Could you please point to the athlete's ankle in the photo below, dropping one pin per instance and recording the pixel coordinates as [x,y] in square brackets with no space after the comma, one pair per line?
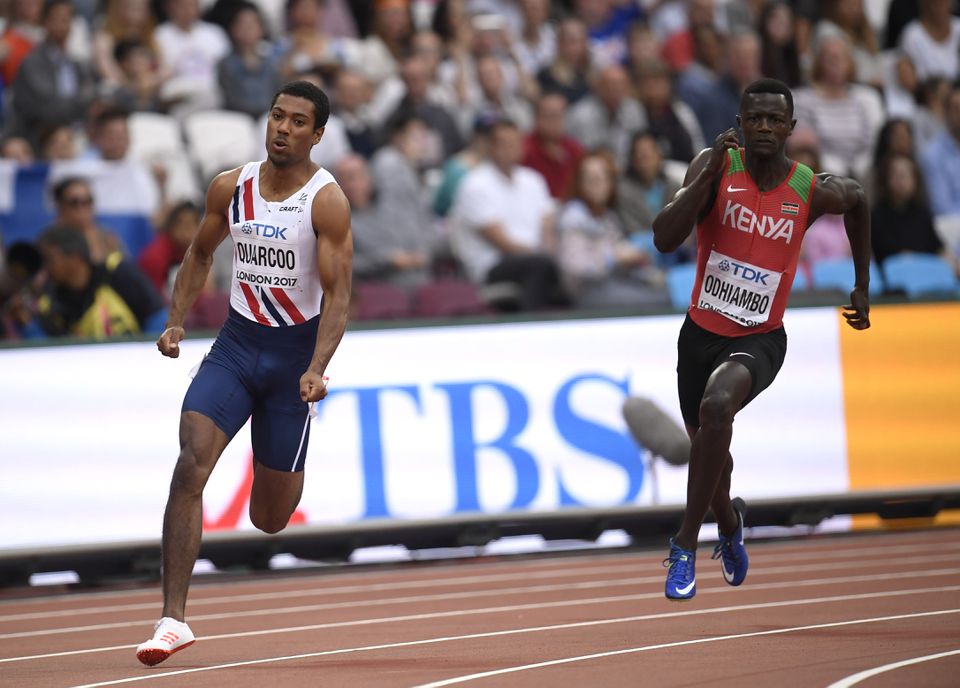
[688,544]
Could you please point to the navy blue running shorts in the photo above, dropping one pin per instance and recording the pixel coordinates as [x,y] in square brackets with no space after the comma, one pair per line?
[700,352]
[254,370]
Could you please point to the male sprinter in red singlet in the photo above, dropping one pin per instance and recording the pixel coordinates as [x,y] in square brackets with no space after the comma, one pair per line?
[290,224]
[751,206]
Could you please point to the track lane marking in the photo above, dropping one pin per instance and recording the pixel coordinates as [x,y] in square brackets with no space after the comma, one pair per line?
[466,594]
[527,607]
[663,646]
[854,679]
[854,554]
[802,550]
[554,627]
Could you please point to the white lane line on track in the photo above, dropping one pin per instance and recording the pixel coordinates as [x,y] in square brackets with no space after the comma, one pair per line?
[827,549]
[366,588]
[467,594]
[555,627]
[514,608]
[854,679]
[663,646]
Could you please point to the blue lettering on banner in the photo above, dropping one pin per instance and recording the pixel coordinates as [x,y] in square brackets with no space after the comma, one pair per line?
[371,443]
[588,436]
[598,440]
[465,444]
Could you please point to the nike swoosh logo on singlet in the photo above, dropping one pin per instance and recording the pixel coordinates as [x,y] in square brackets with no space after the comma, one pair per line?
[734,189]
[742,353]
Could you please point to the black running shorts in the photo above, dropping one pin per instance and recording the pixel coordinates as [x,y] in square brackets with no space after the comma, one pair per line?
[700,352]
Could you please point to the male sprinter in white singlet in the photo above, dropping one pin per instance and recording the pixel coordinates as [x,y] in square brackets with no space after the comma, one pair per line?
[290,223]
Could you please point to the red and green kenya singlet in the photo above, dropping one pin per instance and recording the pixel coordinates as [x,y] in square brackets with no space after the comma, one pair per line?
[747,251]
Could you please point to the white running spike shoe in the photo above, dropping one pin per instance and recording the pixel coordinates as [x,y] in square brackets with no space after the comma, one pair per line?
[169,636]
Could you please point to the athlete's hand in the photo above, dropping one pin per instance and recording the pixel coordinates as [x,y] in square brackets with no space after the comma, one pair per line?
[313,386]
[859,318]
[169,341]
[724,142]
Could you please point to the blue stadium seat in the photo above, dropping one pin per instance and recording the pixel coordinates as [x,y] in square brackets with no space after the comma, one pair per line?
[838,273]
[920,273]
[680,279]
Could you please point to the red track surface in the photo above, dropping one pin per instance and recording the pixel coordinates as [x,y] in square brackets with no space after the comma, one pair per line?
[812,612]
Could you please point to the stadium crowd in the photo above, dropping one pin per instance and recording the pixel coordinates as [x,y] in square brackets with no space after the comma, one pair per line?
[499,155]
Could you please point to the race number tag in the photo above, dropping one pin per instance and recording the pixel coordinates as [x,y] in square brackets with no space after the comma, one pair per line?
[738,290]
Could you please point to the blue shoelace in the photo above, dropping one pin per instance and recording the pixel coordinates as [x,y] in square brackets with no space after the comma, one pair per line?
[725,549]
[678,567]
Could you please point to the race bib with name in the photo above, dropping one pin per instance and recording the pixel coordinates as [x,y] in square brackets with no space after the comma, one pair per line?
[737,290]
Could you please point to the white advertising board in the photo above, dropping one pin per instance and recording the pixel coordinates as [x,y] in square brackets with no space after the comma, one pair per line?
[420,423]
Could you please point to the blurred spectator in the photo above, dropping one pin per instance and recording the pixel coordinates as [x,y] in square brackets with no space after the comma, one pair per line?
[901,222]
[396,178]
[899,14]
[110,143]
[670,120]
[426,47]
[141,79]
[165,253]
[900,87]
[601,268]
[383,250]
[717,106]
[19,287]
[642,48]
[58,143]
[109,135]
[677,48]
[695,83]
[51,88]
[191,49]
[894,137]
[457,167]
[780,56]
[607,22]
[567,72]
[495,98]
[548,150]
[940,160]
[451,22]
[933,41]
[847,19]
[250,74]
[378,55]
[742,15]
[123,22]
[335,144]
[536,43]
[826,238]
[608,117]
[643,191]
[845,116]
[73,199]
[18,149]
[87,299]
[306,45]
[351,93]
[929,119]
[485,36]
[443,131]
[22,32]
[503,222]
